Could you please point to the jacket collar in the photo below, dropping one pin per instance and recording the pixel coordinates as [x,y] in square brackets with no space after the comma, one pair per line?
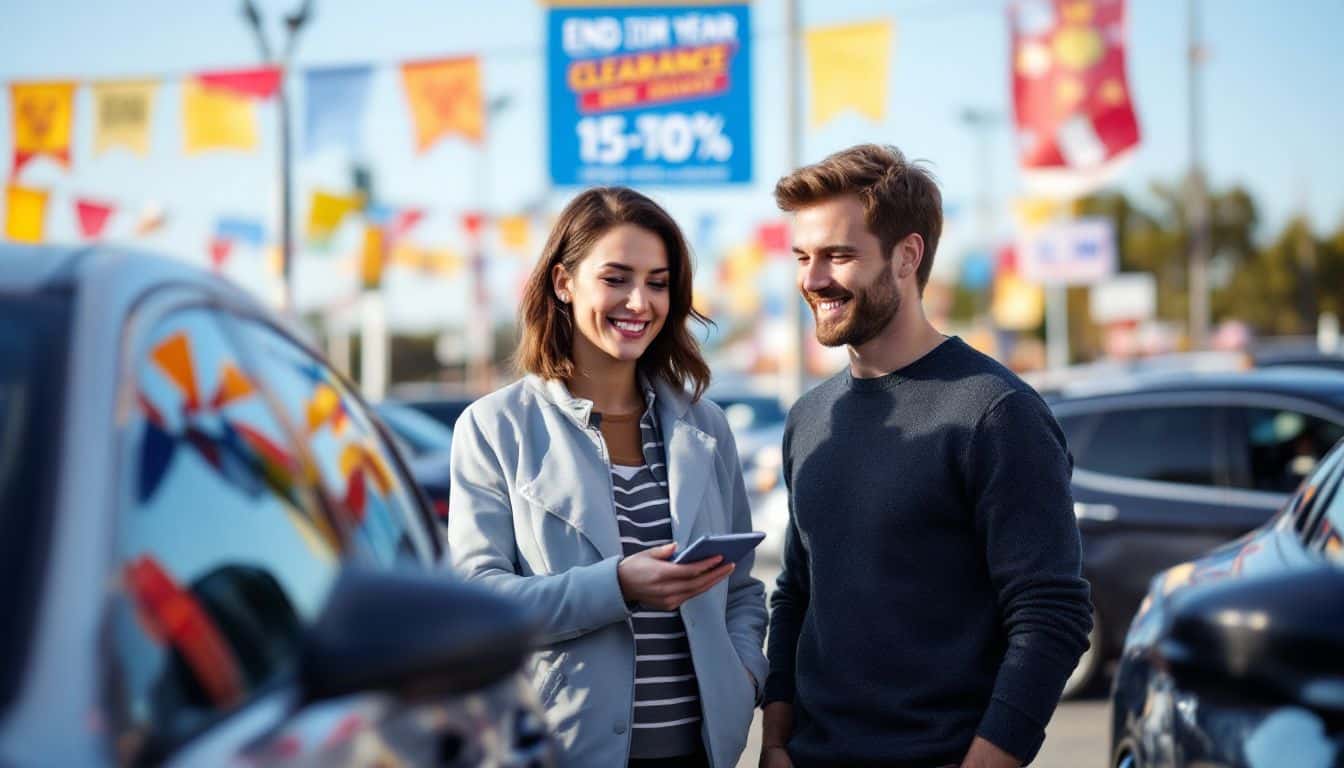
[671,403]
[689,456]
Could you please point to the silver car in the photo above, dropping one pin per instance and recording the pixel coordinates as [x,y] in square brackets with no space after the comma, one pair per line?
[212,553]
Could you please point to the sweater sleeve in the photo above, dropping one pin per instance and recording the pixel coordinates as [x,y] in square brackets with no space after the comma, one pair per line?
[1019,471]
[788,603]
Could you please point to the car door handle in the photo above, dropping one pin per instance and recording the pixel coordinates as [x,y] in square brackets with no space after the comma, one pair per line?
[1100,512]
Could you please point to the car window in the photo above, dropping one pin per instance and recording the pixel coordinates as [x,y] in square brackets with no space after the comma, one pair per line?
[354,464]
[33,346]
[222,556]
[1077,430]
[1284,446]
[1328,538]
[1177,444]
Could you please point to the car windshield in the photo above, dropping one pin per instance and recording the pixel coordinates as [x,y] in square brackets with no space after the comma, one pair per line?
[32,346]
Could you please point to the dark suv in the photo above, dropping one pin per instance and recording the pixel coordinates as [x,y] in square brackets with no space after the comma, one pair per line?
[1167,467]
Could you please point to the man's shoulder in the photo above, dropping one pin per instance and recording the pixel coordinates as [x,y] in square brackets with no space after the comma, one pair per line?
[820,396]
[979,381]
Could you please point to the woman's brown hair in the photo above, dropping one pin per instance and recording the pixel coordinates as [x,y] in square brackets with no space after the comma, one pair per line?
[548,323]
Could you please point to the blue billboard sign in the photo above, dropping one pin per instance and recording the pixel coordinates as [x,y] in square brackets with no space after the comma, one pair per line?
[649,94]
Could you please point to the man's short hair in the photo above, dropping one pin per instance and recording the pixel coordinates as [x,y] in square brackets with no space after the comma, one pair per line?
[899,197]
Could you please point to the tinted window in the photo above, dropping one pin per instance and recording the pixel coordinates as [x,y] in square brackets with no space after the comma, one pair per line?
[32,360]
[1174,444]
[1329,535]
[1284,446]
[358,473]
[1077,429]
[223,557]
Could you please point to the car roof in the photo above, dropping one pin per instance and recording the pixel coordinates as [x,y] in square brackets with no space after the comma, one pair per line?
[1316,384]
[119,276]
[28,268]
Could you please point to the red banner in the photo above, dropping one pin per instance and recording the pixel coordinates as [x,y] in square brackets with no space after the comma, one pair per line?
[259,83]
[1075,114]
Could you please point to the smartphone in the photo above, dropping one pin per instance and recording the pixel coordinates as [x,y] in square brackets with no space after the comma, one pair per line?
[733,547]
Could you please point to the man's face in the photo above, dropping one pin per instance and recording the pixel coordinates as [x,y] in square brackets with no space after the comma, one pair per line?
[843,274]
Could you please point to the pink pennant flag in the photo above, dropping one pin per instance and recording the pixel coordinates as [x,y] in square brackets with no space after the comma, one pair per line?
[405,221]
[93,217]
[261,83]
[472,223]
[219,252]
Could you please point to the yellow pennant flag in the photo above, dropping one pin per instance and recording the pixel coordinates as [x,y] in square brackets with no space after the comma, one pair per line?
[328,210]
[371,258]
[215,118]
[25,214]
[43,115]
[1017,305]
[445,98]
[515,233]
[848,67]
[121,115]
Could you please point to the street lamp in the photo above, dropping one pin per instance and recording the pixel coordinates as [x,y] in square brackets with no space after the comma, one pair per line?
[294,23]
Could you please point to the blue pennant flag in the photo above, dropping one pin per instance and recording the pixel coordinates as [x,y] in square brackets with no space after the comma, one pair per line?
[336,98]
[241,230]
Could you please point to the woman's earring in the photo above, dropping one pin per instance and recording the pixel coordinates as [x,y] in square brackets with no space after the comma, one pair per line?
[564,298]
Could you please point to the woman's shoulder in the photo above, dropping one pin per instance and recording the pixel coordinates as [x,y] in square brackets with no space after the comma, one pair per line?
[707,416]
[504,404]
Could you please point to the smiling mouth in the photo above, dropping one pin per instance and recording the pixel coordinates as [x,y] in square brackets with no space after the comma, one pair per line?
[827,306]
[631,329]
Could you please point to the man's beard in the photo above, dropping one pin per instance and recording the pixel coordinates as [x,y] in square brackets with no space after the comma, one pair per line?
[872,310]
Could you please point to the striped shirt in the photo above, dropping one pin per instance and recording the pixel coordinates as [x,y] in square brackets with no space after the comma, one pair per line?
[666,719]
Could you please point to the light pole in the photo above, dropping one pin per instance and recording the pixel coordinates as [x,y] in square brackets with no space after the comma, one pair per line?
[1197,201]
[481,341]
[294,23]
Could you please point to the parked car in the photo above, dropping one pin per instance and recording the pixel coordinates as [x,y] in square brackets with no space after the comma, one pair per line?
[1236,658]
[1169,466]
[212,553]
[442,405]
[757,421]
[428,445]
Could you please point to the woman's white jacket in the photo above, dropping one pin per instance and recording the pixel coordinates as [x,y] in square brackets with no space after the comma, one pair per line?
[531,514]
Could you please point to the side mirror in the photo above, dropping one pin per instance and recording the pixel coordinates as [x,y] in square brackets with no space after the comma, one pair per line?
[1278,637]
[412,633]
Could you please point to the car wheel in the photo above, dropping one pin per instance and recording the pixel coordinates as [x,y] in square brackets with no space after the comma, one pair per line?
[1089,664]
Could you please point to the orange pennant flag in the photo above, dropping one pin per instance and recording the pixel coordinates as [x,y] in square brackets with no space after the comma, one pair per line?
[515,233]
[43,115]
[445,98]
[25,214]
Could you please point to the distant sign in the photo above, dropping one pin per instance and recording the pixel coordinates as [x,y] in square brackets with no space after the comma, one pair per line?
[649,94]
[1131,296]
[1078,252]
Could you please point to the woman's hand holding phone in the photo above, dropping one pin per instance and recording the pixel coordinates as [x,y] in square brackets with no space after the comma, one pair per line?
[648,578]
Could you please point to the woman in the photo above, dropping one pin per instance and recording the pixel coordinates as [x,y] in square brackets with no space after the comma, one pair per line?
[573,488]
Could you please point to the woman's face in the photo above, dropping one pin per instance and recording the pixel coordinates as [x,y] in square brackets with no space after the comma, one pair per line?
[619,294]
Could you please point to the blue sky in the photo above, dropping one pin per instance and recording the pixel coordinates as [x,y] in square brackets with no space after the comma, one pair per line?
[1272,111]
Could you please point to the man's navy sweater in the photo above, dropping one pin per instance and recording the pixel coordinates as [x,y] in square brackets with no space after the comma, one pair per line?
[931,588]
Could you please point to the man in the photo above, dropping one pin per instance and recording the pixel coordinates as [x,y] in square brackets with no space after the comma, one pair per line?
[930,605]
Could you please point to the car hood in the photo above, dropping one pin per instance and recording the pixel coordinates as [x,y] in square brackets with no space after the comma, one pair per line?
[1257,553]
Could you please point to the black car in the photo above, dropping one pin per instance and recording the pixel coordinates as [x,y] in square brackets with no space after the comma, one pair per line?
[1236,659]
[213,554]
[1169,466]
